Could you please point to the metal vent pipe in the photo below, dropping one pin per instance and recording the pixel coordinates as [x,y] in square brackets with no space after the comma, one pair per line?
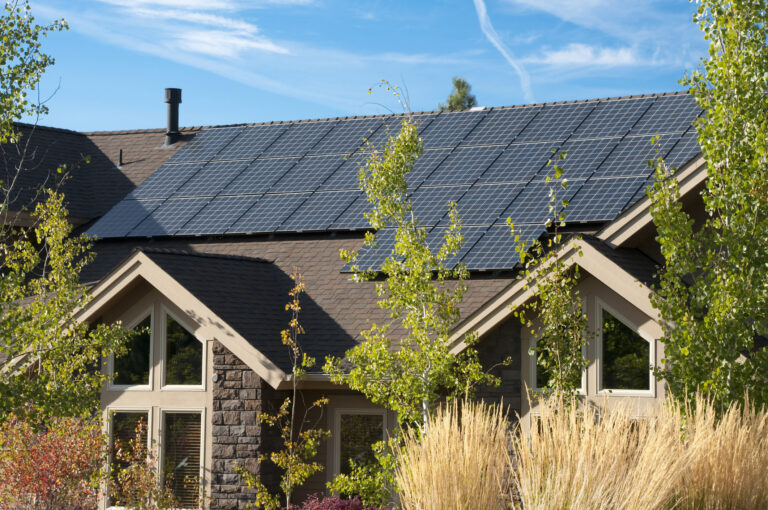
[173,98]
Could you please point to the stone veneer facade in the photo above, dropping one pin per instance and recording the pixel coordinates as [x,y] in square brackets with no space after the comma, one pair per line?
[238,436]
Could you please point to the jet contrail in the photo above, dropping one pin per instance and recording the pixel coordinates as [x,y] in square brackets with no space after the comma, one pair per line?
[493,37]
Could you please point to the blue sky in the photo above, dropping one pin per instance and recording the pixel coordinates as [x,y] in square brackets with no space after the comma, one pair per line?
[262,60]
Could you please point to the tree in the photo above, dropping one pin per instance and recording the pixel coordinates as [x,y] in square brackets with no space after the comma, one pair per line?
[49,362]
[421,290]
[713,290]
[460,99]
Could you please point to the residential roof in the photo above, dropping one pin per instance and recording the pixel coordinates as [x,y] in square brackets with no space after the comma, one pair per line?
[294,177]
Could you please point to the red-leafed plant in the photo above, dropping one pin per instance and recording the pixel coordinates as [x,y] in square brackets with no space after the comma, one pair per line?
[59,466]
[315,502]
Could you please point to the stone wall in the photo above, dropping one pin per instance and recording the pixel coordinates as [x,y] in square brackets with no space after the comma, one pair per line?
[502,342]
[238,437]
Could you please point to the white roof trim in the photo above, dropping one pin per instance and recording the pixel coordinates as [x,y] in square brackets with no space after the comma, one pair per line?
[140,265]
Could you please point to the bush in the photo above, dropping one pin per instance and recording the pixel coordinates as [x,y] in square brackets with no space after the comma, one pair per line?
[59,466]
[314,502]
[461,461]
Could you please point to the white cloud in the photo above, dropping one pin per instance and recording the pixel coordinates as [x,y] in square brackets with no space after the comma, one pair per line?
[201,5]
[583,55]
[199,18]
[493,37]
[218,43]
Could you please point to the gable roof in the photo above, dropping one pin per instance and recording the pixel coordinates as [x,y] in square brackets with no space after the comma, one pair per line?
[293,177]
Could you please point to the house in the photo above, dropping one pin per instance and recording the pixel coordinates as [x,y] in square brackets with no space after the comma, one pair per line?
[199,229]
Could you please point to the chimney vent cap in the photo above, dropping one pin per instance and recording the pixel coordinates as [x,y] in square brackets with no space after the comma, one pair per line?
[173,96]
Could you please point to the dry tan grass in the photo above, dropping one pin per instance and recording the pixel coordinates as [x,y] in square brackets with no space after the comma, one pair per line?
[462,462]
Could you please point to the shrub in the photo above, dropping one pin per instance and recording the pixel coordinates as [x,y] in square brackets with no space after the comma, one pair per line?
[315,502]
[460,462]
[59,466]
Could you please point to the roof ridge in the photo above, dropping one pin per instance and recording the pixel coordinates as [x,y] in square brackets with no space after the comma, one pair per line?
[188,253]
[46,128]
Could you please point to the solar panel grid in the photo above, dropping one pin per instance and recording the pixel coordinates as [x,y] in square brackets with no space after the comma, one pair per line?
[668,114]
[347,136]
[613,118]
[268,213]
[631,156]
[345,176]
[167,219]
[165,181]
[449,128]
[370,257]
[500,126]
[430,204]
[582,158]
[640,193]
[391,128]
[251,142]
[308,173]
[352,217]
[319,211]
[206,144]
[123,217]
[260,176]
[555,122]
[685,150]
[298,139]
[463,165]
[482,205]
[518,163]
[436,238]
[532,204]
[218,215]
[602,199]
[496,248]
[211,178]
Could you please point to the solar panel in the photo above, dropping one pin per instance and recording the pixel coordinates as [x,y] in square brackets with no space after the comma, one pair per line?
[347,136]
[668,114]
[391,128]
[496,248]
[319,211]
[259,176]
[501,126]
[206,144]
[298,139]
[602,199]
[167,219]
[346,175]
[252,141]
[436,238]
[685,150]
[449,128]
[218,215]
[425,165]
[374,256]
[613,118]
[464,165]
[165,181]
[352,218]
[556,122]
[212,178]
[640,193]
[532,204]
[482,205]
[123,217]
[268,213]
[308,173]
[631,156]
[518,163]
[582,158]
[430,204]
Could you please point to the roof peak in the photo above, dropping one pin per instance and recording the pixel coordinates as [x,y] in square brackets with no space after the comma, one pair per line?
[190,253]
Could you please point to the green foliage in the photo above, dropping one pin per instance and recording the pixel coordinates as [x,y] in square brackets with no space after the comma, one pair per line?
[713,290]
[556,318]
[421,290]
[50,360]
[461,98]
[373,481]
[299,445]
[22,64]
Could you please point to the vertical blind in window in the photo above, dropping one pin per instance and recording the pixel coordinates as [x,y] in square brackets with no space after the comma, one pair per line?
[181,456]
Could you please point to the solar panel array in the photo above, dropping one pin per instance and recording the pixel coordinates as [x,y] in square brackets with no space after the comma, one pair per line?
[303,176]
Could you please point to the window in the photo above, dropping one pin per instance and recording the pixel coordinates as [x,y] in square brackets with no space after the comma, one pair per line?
[356,431]
[127,426]
[626,357]
[181,455]
[132,368]
[183,355]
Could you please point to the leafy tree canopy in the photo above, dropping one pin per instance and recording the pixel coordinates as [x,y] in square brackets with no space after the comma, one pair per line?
[461,98]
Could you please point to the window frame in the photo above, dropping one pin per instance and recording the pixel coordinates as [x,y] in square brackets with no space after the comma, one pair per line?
[601,305]
[336,433]
[163,411]
[165,312]
[110,432]
[135,320]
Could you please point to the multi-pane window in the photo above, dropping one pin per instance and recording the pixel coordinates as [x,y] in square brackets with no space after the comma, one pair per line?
[356,434]
[129,437]
[626,356]
[183,356]
[132,368]
[181,456]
